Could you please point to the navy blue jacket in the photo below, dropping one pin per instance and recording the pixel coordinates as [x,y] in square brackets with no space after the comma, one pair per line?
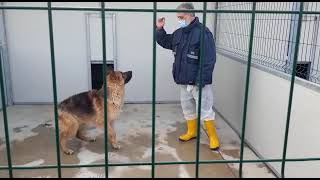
[185,45]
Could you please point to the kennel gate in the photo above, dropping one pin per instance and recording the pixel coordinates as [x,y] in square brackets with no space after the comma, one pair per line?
[153,162]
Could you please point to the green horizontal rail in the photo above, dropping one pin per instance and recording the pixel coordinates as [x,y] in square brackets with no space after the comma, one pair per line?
[158,10]
[160,163]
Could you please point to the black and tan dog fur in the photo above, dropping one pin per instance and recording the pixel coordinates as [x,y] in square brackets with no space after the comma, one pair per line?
[86,109]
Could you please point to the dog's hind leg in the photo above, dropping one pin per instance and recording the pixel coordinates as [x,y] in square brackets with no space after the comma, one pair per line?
[64,147]
[81,134]
[68,129]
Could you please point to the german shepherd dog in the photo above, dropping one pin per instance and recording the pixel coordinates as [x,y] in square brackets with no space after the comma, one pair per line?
[87,108]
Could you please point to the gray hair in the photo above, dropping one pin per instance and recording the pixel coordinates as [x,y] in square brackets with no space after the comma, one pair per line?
[186,6]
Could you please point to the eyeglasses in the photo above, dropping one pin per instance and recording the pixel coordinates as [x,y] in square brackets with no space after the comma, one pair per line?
[180,17]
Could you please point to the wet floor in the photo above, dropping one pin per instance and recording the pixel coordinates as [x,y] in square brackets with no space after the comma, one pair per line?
[33,143]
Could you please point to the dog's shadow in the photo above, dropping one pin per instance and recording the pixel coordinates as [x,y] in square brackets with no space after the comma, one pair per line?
[96,146]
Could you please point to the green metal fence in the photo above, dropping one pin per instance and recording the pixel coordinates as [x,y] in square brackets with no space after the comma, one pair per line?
[252,12]
[274,37]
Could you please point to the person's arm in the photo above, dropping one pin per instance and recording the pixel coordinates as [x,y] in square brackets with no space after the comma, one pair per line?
[163,39]
[209,56]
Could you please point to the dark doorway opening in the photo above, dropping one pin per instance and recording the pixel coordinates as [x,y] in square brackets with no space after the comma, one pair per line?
[96,74]
[303,70]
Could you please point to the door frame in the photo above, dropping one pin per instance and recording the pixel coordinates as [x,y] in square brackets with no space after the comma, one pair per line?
[114,36]
[5,59]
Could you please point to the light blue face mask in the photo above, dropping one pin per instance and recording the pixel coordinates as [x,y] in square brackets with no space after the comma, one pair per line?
[183,23]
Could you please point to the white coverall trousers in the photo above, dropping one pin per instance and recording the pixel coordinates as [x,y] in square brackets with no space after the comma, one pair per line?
[189,96]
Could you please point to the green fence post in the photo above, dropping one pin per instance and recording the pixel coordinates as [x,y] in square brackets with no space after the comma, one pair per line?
[202,52]
[293,76]
[5,118]
[154,57]
[54,83]
[247,88]
[104,56]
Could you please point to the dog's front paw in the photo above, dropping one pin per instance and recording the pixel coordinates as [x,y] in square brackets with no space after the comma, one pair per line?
[69,152]
[116,146]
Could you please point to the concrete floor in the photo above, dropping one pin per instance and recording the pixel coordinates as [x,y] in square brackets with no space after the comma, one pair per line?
[32,139]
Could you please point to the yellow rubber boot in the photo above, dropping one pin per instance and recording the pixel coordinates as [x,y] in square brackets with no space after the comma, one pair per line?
[192,131]
[212,133]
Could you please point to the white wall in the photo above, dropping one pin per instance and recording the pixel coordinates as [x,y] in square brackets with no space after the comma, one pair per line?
[267,110]
[29,51]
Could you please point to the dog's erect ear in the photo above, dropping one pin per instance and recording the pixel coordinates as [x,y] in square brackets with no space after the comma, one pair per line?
[109,71]
[127,76]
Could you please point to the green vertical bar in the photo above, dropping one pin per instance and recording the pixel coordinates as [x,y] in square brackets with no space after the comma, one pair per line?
[104,56]
[202,49]
[293,76]
[5,119]
[216,21]
[253,16]
[54,83]
[154,61]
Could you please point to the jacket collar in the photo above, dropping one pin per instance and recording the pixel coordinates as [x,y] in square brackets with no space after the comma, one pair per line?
[194,23]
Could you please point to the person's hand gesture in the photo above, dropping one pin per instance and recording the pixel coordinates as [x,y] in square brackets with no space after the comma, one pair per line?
[161,22]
